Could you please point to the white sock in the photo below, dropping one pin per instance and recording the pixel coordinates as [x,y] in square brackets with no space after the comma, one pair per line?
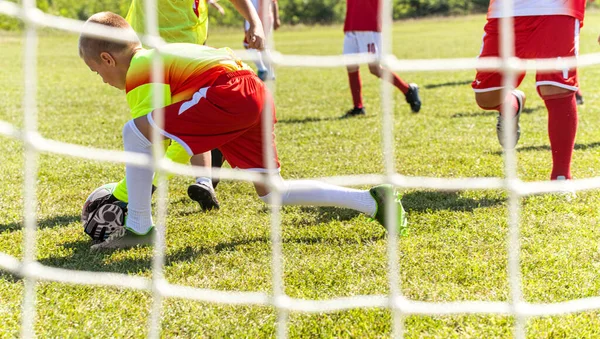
[206,181]
[260,65]
[316,193]
[139,181]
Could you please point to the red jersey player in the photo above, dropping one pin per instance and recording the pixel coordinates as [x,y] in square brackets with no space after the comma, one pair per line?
[543,29]
[362,34]
[214,101]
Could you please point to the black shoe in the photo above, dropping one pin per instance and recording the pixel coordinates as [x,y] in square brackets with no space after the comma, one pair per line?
[203,195]
[579,98]
[412,97]
[354,112]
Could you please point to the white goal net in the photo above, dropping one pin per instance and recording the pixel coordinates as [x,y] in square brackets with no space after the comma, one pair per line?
[400,306]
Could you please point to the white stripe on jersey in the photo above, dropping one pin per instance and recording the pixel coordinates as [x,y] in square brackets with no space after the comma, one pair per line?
[536,7]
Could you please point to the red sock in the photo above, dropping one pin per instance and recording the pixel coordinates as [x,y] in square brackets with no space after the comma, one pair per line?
[355,88]
[562,128]
[511,100]
[399,83]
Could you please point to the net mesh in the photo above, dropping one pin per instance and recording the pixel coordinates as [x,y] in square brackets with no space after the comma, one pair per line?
[400,306]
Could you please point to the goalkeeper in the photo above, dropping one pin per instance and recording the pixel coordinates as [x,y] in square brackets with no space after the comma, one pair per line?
[187,21]
[213,100]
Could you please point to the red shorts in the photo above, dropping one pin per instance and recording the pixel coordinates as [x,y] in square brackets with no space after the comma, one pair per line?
[227,116]
[536,37]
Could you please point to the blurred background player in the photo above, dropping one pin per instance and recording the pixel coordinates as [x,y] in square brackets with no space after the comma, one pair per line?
[187,21]
[216,101]
[579,97]
[268,11]
[362,34]
[543,29]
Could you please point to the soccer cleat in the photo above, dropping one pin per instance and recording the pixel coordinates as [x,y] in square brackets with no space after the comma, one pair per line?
[124,238]
[381,193]
[412,97]
[579,97]
[203,195]
[354,112]
[568,194]
[513,123]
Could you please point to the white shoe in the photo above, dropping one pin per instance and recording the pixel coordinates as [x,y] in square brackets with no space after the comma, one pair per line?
[569,194]
[513,122]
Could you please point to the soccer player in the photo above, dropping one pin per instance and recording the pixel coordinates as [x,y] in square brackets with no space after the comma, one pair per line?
[543,29]
[187,21]
[362,34]
[213,100]
[268,11]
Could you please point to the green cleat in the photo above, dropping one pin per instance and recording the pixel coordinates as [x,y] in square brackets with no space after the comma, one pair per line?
[124,238]
[380,194]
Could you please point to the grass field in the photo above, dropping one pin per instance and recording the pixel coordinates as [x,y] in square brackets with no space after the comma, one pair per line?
[456,249]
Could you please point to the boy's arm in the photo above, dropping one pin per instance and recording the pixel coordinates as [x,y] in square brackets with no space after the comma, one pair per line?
[216,6]
[276,20]
[255,35]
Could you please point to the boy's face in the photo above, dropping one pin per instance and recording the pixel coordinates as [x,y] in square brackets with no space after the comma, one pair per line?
[112,73]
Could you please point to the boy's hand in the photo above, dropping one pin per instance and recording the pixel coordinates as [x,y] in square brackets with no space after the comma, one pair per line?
[255,37]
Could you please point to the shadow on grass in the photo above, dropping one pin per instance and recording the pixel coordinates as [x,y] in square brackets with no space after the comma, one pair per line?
[526,110]
[448,84]
[581,147]
[9,277]
[55,221]
[422,201]
[83,259]
[306,120]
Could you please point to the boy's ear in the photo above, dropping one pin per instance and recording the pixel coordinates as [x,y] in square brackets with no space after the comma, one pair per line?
[107,59]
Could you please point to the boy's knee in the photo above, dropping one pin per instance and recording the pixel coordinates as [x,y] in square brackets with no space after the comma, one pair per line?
[488,100]
[132,137]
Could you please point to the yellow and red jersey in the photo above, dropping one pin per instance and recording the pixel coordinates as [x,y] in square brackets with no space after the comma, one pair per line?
[574,8]
[186,69]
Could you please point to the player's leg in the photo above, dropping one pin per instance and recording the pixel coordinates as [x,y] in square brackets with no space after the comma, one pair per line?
[488,87]
[351,47]
[579,97]
[558,90]
[371,202]
[203,191]
[217,162]
[247,152]
[370,42]
[410,91]
[562,128]
[139,226]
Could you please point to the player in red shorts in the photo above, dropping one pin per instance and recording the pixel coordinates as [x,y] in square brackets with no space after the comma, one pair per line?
[362,34]
[543,29]
[214,101]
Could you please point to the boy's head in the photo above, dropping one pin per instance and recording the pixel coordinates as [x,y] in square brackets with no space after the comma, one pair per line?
[110,59]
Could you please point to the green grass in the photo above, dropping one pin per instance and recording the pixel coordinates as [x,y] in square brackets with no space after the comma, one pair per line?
[456,249]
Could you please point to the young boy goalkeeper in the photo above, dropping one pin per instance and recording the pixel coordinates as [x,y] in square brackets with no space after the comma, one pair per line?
[212,100]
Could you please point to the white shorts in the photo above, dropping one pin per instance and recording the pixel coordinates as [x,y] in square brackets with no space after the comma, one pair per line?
[362,42]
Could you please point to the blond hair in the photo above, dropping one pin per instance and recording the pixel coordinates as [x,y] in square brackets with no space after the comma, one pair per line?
[91,46]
